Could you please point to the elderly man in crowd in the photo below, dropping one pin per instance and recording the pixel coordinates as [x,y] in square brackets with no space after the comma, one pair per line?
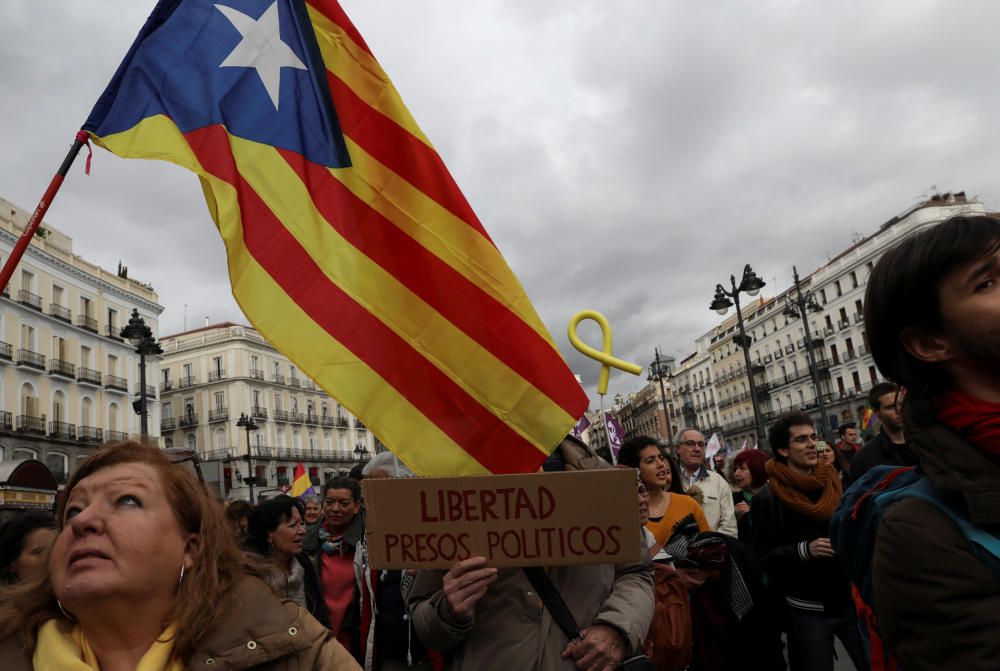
[717,494]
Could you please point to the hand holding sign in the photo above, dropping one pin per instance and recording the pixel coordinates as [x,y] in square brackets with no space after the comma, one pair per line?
[465,584]
[604,356]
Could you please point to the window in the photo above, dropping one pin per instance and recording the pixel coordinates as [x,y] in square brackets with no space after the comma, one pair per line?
[822,296]
[189,407]
[833,354]
[858,308]
[872,375]
[277,402]
[86,307]
[849,344]
[165,375]
[256,399]
[27,281]
[112,364]
[220,439]
[840,292]
[168,411]
[254,364]
[840,386]
[295,404]
[856,378]
[854,279]
[217,366]
[58,348]
[829,322]
[58,463]
[113,322]
[86,356]
[843,316]
[57,295]
[188,372]
[220,400]
[192,443]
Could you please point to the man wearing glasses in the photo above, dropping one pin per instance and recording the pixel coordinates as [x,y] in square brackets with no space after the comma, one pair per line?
[718,495]
[790,519]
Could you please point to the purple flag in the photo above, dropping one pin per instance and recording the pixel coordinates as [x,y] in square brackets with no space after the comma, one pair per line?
[581,426]
[615,435]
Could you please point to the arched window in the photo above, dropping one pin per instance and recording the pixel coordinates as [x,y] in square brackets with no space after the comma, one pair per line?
[58,463]
[25,453]
[192,443]
[86,411]
[58,407]
[29,401]
[113,417]
[220,439]
[312,441]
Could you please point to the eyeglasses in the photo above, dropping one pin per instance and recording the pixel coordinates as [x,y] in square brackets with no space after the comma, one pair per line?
[693,443]
[805,439]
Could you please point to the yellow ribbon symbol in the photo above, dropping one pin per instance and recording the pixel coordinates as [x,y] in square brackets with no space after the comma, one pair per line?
[608,362]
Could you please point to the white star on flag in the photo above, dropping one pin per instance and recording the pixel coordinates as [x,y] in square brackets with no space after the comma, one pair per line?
[261,48]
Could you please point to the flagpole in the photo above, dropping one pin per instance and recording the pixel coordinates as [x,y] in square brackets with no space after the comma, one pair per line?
[43,206]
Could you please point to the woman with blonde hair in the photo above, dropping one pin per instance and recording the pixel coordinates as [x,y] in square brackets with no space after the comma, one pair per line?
[146,575]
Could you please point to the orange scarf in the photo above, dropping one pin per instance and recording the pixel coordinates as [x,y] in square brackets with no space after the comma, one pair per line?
[793,489]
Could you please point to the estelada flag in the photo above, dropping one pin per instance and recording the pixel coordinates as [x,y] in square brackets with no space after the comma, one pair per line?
[349,245]
[301,482]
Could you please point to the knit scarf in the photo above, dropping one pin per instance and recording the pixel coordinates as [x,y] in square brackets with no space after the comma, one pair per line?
[793,489]
[975,420]
[62,646]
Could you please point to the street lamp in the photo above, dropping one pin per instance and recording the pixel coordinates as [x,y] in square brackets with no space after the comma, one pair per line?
[751,285]
[141,338]
[659,369]
[247,423]
[799,306]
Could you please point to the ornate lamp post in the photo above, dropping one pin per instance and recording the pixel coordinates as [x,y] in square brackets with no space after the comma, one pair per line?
[751,285]
[800,305]
[140,336]
[247,423]
[659,369]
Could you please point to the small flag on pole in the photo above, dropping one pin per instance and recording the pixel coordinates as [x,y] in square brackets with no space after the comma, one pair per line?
[615,435]
[301,484]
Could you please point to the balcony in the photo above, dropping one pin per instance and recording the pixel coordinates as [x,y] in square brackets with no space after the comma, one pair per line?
[85,322]
[115,382]
[89,434]
[216,375]
[167,424]
[359,426]
[281,415]
[59,312]
[150,390]
[295,382]
[278,378]
[312,420]
[218,415]
[343,422]
[60,367]
[858,318]
[188,381]
[309,385]
[166,385]
[257,412]
[843,324]
[326,421]
[296,417]
[257,374]
[6,421]
[29,424]
[6,351]
[117,436]
[114,332]
[88,375]
[25,357]
[29,299]
[189,419]
[62,430]
[789,349]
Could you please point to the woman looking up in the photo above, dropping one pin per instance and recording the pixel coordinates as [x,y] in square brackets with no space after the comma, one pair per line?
[146,575]
[668,505]
[275,532]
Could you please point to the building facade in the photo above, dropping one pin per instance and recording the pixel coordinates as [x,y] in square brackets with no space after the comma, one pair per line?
[211,377]
[67,379]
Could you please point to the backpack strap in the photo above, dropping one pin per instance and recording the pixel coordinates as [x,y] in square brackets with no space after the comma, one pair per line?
[985,544]
[550,596]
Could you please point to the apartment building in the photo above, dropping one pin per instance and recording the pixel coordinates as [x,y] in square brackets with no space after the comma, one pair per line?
[694,388]
[211,376]
[67,379]
[780,362]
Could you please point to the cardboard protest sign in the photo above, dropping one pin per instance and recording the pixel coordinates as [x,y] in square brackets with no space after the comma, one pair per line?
[537,519]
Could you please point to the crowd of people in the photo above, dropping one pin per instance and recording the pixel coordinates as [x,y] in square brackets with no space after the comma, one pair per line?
[746,563]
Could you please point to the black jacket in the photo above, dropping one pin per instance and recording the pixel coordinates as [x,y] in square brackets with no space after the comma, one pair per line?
[780,539]
[880,451]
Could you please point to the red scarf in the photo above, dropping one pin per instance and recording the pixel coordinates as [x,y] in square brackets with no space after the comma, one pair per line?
[975,420]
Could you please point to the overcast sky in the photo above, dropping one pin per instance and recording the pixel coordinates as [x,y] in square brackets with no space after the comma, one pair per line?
[624,156]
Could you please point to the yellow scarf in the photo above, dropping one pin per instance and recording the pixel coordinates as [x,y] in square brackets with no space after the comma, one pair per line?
[63,647]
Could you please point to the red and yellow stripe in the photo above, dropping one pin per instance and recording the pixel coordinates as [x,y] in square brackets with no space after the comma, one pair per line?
[378,280]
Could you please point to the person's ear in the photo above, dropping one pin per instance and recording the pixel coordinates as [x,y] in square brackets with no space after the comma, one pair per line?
[782,451]
[190,551]
[926,346]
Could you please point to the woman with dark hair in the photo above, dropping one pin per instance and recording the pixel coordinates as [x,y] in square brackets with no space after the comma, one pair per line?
[275,532]
[238,516]
[749,474]
[23,542]
[668,504]
[146,574]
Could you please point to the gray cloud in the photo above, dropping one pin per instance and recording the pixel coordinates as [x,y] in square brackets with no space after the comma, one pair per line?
[625,157]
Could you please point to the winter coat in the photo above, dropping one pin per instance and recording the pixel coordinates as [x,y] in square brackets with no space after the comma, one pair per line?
[511,628]
[312,547]
[263,633]
[781,538]
[718,501]
[880,451]
[937,603]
